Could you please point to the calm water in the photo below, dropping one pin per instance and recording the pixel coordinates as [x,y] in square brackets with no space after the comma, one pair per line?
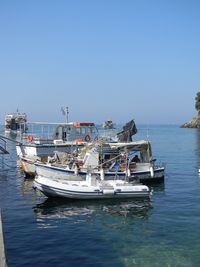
[162,232]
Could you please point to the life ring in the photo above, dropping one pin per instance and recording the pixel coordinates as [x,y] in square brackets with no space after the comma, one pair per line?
[30,137]
[87,138]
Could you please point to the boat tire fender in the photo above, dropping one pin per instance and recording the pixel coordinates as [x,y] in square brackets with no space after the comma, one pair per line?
[151,171]
[87,138]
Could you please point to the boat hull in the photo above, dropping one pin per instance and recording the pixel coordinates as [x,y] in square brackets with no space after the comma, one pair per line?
[31,167]
[63,173]
[45,149]
[28,167]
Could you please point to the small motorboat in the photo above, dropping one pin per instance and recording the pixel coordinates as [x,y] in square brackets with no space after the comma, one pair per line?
[89,188]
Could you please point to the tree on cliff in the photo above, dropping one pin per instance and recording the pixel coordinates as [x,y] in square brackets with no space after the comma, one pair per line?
[197,103]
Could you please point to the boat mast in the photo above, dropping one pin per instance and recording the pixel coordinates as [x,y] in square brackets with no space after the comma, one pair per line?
[67,114]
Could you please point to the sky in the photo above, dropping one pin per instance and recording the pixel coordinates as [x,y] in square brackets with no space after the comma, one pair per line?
[104,59]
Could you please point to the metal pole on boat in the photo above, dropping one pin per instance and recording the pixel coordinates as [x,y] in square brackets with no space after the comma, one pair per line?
[67,114]
[102,174]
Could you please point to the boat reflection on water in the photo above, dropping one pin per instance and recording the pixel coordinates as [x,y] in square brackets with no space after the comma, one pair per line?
[50,211]
[76,210]
[157,187]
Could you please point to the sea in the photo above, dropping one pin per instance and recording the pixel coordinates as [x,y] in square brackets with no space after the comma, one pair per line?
[161,232]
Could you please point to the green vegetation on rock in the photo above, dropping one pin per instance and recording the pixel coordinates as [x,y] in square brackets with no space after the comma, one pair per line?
[197,103]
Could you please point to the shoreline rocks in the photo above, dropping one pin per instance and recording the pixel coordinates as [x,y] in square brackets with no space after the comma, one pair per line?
[194,123]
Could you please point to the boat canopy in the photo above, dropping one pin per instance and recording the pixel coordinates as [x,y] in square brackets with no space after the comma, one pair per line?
[110,150]
[142,146]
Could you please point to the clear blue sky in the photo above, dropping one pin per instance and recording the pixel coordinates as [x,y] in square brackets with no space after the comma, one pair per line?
[105,59]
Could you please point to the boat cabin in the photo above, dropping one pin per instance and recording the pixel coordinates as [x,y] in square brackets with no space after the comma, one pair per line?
[76,131]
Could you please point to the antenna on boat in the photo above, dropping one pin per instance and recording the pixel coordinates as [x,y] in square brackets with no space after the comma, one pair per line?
[147,133]
[65,112]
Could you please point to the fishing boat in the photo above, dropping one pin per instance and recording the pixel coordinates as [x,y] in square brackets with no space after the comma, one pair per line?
[90,188]
[16,123]
[67,137]
[64,137]
[108,160]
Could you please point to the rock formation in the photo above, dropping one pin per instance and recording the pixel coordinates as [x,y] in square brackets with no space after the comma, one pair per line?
[194,123]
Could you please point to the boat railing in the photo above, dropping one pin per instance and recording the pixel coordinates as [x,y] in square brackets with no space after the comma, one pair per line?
[108,134]
[3,146]
[40,132]
[34,138]
[160,164]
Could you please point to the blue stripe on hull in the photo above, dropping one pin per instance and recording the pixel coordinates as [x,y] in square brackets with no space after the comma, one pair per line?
[156,171]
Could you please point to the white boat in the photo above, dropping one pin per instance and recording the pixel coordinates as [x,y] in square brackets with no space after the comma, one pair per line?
[90,188]
[16,122]
[108,160]
[65,137]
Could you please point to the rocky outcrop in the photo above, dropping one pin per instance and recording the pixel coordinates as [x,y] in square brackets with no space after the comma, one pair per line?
[194,123]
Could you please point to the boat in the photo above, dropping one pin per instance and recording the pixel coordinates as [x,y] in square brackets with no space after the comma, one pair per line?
[64,137]
[103,156]
[108,160]
[67,137]
[108,124]
[16,123]
[26,163]
[89,188]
